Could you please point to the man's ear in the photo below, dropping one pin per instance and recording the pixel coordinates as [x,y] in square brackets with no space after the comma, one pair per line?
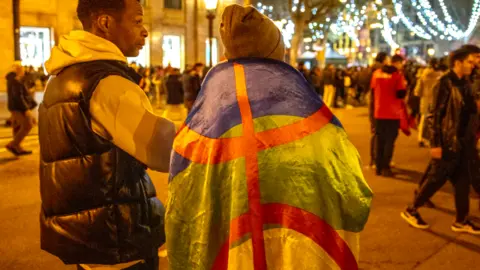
[104,23]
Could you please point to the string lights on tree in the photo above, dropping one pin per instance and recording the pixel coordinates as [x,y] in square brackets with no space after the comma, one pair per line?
[432,26]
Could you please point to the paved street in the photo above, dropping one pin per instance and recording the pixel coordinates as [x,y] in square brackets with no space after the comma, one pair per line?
[387,242]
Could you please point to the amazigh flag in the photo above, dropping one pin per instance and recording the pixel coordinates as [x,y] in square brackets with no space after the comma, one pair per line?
[263,176]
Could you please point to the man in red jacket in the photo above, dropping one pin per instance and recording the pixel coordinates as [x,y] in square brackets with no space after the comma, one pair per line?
[389,90]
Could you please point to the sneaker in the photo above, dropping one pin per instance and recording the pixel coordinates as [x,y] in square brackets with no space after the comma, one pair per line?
[18,152]
[413,218]
[466,227]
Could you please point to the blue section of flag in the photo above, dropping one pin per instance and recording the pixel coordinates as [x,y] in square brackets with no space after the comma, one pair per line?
[273,87]
[276,88]
[216,109]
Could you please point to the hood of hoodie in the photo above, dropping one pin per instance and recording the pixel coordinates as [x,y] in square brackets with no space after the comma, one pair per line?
[81,46]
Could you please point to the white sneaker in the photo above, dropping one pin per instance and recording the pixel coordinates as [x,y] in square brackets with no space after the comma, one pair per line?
[466,227]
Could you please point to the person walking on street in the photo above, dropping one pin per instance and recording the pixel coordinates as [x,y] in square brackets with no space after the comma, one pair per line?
[381,60]
[192,83]
[453,143]
[424,91]
[174,85]
[389,90]
[317,80]
[262,173]
[20,104]
[329,85]
[98,135]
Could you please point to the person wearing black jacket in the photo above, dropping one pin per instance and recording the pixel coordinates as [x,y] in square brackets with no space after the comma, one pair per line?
[453,143]
[20,104]
[192,82]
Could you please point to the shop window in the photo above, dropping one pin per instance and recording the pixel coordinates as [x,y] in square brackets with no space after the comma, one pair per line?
[207,52]
[35,45]
[172,54]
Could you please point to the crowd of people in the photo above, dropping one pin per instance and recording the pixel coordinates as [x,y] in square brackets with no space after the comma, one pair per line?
[168,87]
[339,86]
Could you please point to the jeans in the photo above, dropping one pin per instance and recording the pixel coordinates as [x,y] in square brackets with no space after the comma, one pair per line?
[459,170]
[386,132]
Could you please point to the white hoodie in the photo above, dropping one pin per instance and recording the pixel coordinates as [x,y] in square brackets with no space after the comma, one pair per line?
[120,110]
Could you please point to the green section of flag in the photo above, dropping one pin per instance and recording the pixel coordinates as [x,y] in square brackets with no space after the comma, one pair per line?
[263,123]
[320,173]
[202,201]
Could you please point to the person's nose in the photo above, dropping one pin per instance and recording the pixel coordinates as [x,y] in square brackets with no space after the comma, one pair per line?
[144,32]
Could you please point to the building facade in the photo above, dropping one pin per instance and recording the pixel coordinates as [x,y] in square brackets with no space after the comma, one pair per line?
[178,32]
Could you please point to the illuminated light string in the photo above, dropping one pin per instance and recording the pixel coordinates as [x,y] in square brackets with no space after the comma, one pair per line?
[424,7]
[418,30]
[387,31]
[431,22]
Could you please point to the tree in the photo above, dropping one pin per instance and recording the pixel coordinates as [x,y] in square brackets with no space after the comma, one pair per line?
[304,12]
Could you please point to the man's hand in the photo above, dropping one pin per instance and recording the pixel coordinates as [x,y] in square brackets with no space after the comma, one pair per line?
[436,153]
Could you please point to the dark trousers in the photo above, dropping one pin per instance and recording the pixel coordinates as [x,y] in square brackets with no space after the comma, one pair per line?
[459,171]
[373,141]
[386,132]
[149,264]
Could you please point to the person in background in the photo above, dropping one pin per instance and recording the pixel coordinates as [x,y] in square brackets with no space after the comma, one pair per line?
[424,91]
[191,85]
[303,69]
[452,143]
[339,87]
[316,78]
[174,86]
[157,80]
[474,124]
[329,85]
[389,90]
[20,104]
[382,59]
[147,85]
[98,135]
[363,84]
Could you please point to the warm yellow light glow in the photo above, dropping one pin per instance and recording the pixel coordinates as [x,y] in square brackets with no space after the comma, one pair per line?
[211,4]
[431,51]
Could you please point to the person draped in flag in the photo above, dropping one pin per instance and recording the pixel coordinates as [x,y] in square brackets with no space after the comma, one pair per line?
[263,175]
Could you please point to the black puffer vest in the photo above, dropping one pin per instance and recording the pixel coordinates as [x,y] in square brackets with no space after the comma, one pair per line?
[99,206]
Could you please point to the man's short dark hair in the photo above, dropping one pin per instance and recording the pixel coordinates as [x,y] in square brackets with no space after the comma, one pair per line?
[470,47]
[433,63]
[458,55]
[397,58]
[381,56]
[88,10]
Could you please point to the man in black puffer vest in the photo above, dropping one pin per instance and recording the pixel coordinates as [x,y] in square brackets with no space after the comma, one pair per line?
[98,135]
